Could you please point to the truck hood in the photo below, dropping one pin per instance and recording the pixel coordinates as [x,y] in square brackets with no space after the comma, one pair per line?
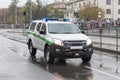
[69,36]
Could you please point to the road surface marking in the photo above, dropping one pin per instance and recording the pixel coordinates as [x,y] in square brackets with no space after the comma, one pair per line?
[103,72]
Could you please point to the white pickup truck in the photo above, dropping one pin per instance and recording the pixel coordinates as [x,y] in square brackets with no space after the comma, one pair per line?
[58,39]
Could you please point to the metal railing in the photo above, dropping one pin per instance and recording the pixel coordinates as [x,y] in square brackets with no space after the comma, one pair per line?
[112,32]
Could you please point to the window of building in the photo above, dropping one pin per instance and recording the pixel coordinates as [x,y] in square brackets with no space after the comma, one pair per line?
[79,5]
[108,11]
[118,11]
[89,2]
[108,2]
[84,4]
[118,2]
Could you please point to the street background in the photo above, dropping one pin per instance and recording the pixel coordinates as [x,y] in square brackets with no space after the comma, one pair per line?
[14,57]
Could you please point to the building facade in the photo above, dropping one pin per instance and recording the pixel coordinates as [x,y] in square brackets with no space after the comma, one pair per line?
[60,5]
[110,7]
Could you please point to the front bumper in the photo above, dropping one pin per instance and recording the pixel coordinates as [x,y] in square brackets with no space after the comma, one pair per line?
[68,52]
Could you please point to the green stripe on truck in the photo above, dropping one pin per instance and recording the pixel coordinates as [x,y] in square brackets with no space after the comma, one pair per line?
[39,37]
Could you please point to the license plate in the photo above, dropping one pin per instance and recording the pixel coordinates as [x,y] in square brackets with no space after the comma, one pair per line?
[76,47]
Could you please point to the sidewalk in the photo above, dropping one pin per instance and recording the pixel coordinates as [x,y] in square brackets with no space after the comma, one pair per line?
[108,43]
[15,34]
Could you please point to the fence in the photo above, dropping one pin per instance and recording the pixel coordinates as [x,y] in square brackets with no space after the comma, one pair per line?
[111,33]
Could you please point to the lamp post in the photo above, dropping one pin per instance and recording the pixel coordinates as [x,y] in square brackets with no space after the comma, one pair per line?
[113,9]
[15,3]
[30,11]
[4,18]
[24,15]
[73,11]
[100,27]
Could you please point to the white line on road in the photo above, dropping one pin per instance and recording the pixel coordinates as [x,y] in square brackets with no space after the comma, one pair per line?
[103,72]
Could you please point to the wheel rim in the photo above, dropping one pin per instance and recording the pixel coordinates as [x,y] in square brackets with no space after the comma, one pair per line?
[47,56]
[30,47]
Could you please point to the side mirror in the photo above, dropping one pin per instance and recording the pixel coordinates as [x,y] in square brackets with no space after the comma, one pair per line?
[83,31]
[42,32]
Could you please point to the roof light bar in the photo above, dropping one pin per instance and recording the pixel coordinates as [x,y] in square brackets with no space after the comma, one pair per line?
[55,19]
[50,19]
[66,20]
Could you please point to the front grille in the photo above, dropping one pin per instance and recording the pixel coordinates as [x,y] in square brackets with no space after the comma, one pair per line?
[75,43]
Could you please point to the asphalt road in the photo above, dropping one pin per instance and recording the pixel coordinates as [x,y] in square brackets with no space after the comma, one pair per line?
[15,65]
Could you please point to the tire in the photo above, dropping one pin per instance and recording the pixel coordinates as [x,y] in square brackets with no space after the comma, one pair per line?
[86,60]
[48,57]
[32,58]
[32,51]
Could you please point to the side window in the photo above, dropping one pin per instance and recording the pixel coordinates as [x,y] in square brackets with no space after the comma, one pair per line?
[43,28]
[33,26]
[38,27]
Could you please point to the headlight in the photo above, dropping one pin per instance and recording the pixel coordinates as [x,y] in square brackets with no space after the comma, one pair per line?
[58,42]
[89,42]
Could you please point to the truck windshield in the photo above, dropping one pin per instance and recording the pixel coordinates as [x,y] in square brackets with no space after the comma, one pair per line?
[62,28]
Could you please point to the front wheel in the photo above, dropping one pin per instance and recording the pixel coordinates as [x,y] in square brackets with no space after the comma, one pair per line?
[48,57]
[32,51]
[86,60]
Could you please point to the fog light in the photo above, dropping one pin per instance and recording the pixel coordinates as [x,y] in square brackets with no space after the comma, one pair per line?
[58,50]
[90,49]
[67,49]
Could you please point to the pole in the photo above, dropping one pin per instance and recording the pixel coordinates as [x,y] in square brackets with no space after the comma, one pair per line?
[117,39]
[16,14]
[100,33]
[73,11]
[24,25]
[113,9]
[16,1]
[30,11]
[100,27]
[24,15]
[3,18]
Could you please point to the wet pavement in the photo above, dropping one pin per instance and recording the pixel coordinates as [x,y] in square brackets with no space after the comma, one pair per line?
[15,65]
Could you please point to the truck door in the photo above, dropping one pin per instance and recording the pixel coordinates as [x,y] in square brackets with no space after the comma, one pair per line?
[37,35]
[41,38]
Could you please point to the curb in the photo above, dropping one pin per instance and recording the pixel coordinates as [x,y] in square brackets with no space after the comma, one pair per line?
[14,32]
[12,38]
[104,35]
[107,50]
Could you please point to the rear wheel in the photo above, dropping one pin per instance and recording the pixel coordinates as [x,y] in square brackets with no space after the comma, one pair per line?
[86,60]
[48,57]
[32,51]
